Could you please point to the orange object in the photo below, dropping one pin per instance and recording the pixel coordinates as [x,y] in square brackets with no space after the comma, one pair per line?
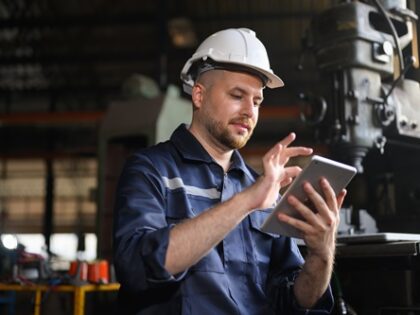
[98,272]
[78,270]
[73,268]
[103,272]
[93,272]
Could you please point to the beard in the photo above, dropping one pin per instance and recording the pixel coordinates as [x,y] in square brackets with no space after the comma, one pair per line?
[225,136]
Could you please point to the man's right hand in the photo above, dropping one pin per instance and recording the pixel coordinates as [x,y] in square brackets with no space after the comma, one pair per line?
[264,193]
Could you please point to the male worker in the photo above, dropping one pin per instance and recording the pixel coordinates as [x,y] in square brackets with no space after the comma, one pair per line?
[188,211]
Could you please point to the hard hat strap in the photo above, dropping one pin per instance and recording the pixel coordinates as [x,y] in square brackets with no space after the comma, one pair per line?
[206,65]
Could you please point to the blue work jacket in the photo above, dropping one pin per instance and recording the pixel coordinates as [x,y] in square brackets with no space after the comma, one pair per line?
[249,272]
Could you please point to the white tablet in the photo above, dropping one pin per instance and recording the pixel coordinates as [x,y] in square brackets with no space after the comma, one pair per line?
[338,175]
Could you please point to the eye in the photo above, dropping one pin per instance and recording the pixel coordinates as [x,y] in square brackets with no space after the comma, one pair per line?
[236,96]
[257,103]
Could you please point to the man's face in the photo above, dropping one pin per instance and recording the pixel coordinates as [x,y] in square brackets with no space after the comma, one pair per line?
[230,106]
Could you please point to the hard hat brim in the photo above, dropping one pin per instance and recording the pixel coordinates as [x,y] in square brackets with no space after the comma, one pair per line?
[273,82]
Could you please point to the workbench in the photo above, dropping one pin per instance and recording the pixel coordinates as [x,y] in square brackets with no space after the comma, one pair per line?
[79,293]
[380,278]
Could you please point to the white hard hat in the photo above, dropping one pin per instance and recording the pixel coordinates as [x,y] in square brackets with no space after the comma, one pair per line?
[232,47]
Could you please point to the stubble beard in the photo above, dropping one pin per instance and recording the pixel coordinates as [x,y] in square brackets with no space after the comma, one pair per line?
[225,137]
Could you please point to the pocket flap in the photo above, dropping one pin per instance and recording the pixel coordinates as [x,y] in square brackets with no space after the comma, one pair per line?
[258,217]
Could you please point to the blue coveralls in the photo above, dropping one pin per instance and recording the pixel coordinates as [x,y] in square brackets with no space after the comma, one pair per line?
[249,272]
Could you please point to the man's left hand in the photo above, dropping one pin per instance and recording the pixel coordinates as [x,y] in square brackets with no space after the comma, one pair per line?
[319,227]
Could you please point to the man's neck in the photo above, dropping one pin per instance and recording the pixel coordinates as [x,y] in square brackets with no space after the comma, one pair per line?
[217,151]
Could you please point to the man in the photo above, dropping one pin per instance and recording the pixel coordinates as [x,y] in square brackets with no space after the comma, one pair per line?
[188,211]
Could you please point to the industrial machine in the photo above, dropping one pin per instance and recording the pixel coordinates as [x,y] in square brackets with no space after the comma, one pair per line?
[366,106]
[366,109]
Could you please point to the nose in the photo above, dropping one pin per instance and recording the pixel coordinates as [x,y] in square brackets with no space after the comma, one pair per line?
[249,109]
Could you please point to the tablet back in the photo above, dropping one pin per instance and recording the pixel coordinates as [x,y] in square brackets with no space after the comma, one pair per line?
[338,175]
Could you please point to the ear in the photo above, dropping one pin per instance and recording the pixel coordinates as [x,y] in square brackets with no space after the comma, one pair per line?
[197,95]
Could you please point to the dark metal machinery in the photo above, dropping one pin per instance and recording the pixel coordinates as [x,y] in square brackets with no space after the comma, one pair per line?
[367,110]
[365,107]
[362,51]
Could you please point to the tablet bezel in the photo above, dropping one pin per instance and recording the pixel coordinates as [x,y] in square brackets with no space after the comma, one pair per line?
[338,174]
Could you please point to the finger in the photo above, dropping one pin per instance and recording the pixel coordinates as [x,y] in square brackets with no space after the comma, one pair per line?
[291,152]
[292,171]
[286,182]
[278,147]
[329,194]
[306,212]
[278,153]
[296,151]
[340,198]
[302,226]
[289,174]
[288,139]
[272,152]
[319,203]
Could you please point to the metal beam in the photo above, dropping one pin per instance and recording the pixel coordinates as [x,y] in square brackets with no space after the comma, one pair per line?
[51,118]
[75,58]
[64,90]
[85,151]
[260,16]
[138,18]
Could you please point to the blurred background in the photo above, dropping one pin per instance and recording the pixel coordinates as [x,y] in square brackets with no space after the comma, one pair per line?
[85,83]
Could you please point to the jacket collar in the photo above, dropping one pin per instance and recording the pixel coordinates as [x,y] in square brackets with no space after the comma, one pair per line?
[190,148]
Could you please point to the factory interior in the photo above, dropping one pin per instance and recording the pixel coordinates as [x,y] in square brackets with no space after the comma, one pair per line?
[84,84]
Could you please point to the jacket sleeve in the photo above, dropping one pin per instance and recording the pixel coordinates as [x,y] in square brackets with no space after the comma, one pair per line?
[285,265]
[141,231]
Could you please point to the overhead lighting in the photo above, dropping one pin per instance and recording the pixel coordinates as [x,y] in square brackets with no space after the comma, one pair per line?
[182,33]
[9,241]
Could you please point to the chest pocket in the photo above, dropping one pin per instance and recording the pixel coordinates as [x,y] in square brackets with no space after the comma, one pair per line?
[181,207]
[262,244]
[257,218]
[178,207]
